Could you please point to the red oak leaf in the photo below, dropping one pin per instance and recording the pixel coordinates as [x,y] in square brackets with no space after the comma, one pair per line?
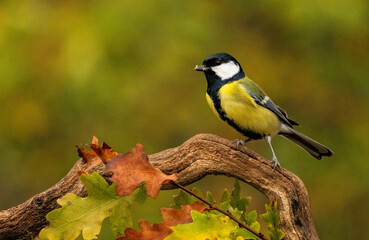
[132,168]
[148,231]
[105,152]
[159,231]
[87,156]
[174,217]
[102,153]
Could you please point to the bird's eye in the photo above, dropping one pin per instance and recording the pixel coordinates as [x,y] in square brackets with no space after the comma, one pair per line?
[218,61]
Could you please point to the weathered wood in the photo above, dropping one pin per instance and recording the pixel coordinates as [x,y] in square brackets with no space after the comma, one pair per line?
[201,155]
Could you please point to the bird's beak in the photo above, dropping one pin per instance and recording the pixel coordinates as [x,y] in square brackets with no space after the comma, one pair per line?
[201,68]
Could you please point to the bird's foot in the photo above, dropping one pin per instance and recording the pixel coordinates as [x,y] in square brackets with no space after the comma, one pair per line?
[239,143]
[242,142]
[276,163]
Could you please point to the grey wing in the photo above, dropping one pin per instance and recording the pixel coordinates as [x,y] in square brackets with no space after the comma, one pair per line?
[285,114]
[263,100]
[269,104]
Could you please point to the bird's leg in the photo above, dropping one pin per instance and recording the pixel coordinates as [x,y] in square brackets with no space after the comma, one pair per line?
[274,159]
[242,142]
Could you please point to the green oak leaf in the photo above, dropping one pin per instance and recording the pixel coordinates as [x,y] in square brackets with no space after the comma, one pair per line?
[241,232]
[237,201]
[204,226]
[272,219]
[251,220]
[210,198]
[226,206]
[87,214]
[225,202]
[225,196]
[234,203]
[197,191]
[184,198]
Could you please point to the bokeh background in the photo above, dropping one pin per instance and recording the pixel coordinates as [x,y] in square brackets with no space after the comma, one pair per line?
[123,71]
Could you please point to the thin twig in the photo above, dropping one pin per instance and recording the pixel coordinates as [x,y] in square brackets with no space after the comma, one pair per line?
[227,213]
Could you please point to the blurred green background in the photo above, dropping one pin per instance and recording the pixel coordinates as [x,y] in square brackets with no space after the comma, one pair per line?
[123,71]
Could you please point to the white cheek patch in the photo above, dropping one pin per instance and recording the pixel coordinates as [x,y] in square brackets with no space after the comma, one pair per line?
[226,70]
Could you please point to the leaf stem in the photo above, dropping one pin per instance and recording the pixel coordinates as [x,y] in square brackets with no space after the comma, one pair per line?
[227,213]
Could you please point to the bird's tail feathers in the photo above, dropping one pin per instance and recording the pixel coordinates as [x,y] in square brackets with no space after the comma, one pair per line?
[311,146]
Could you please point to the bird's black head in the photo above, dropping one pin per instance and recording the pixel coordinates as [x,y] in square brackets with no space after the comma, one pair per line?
[221,68]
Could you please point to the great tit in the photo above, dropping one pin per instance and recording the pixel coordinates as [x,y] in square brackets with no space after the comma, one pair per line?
[241,103]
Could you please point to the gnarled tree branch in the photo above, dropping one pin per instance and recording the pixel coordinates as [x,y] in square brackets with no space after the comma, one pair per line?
[201,155]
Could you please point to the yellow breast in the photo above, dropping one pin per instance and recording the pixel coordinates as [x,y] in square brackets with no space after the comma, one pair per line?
[241,108]
[211,104]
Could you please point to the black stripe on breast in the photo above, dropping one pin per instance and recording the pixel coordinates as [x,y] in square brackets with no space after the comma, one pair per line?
[248,133]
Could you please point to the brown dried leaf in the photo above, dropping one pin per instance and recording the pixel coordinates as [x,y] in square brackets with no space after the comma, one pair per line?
[102,153]
[132,168]
[159,231]
[173,217]
[95,141]
[105,152]
[148,231]
[87,156]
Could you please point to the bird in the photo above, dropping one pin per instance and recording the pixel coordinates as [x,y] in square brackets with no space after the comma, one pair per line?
[243,105]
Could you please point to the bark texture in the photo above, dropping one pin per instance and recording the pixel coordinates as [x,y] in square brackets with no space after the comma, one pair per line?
[199,156]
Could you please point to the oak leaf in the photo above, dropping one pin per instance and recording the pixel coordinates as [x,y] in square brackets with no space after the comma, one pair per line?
[184,198]
[87,156]
[105,152]
[204,226]
[132,168]
[173,217]
[148,231]
[97,153]
[271,217]
[158,231]
[85,215]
